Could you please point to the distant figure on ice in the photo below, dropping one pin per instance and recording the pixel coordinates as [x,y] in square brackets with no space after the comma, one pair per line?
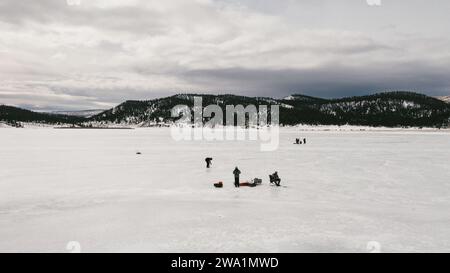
[274,178]
[208,162]
[297,141]
[304,141]
[236,173]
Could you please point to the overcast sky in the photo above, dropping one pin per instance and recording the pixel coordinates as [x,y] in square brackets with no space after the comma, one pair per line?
[58,54]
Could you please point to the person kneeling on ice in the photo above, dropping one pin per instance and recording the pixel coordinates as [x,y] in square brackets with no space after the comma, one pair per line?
[274,178]
[236,173]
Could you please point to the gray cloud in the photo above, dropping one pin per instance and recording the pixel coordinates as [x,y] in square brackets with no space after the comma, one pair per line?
[331,81]
[106,51]
[129,19]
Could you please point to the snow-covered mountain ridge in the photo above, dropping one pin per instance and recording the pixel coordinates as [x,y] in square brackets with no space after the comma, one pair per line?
[390,109]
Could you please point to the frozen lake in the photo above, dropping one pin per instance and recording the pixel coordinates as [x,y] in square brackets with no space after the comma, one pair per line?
[343,190]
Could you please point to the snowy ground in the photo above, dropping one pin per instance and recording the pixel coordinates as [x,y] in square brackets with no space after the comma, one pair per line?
[343,190]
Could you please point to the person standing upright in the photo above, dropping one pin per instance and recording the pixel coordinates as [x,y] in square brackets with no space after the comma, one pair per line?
[236,173]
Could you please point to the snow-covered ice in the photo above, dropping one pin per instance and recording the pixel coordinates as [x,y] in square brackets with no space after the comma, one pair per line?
[342,190]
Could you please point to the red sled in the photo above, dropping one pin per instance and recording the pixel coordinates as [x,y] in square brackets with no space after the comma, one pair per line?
[246,184]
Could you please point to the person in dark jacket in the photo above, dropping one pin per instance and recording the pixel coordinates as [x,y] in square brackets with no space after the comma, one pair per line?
[304,141]
[236,173]
[208,162]
[274,178]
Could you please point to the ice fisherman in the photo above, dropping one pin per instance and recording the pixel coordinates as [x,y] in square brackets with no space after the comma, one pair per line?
[274,178]
[236,173]
[208,162]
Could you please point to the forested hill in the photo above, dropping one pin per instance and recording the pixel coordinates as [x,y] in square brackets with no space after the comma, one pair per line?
[391,109]
[385,109]
[14,115]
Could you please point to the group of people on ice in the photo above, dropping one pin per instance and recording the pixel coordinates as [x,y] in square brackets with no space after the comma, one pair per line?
[273,178]
[298,141]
